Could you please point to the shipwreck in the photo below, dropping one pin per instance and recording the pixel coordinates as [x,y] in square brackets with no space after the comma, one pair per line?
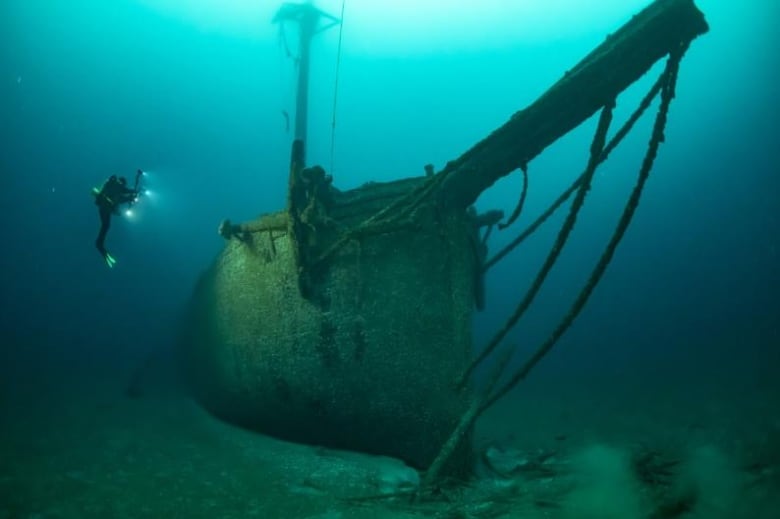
[344,319]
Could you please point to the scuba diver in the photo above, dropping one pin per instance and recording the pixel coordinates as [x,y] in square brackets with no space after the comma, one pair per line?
[108,199]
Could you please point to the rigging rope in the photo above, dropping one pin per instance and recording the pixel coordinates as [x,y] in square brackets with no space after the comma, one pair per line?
[520,203]
[596,150]
[481,403]
[336,91]
[400,209]
[667,94]
[613,143]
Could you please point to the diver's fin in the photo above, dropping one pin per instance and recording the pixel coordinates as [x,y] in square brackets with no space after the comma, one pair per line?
[110,260]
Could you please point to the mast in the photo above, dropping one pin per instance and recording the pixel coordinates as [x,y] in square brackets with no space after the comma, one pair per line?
[308,17]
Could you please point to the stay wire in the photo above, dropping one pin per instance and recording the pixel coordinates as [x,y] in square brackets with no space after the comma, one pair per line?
[336,92]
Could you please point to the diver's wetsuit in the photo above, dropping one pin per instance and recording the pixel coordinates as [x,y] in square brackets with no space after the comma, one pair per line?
[112,194]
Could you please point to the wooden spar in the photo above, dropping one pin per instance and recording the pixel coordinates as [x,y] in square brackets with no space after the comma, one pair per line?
[614,65]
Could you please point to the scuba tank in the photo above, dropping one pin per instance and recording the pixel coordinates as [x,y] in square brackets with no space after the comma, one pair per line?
[101,197]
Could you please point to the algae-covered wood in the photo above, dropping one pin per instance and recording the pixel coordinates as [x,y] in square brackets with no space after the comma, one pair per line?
[370,363]
[613,66]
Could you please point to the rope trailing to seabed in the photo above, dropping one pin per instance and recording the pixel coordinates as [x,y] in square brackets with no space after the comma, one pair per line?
[667,94]
[613,143]
[479,405]
[596,150]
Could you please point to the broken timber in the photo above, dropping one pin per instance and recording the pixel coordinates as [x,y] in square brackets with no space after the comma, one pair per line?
[603,74]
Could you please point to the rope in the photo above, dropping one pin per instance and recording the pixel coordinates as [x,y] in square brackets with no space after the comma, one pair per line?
[613,143]
[286,81]
[406,204]
[480,404]
[667,94]
[336,92]
[465,423]
[520,203]
[596,150]
[397,211]
[401,206]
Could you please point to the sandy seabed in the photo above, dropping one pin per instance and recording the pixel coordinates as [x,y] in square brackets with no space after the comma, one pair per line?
[86,450]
